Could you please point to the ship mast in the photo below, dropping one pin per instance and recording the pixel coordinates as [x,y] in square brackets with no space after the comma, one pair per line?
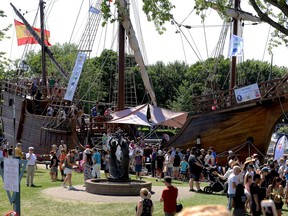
[121,67]
[43,57]
[234,58]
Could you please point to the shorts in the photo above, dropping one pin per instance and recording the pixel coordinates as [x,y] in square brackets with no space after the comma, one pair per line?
[195,176]
[67,171]
[54,169]
[138,168]
[183,172]
[176,168]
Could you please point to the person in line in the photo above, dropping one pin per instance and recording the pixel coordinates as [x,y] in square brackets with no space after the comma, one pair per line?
[169,197]
[69,163]
[105,159]
[87,165]
[275,191]
[168,163]
[53,166]
[31,157]
[62,146]
[256,196]
[138,160]
[159,162]
[96,158]
[62,164]
[18,151]
[247,183]
[239,201]
[145,205]
[233,181]
[195,168]
[184,166]
[176,165]
[153,163]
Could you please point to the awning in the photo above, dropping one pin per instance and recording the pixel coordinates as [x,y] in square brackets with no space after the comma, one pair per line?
[158,116]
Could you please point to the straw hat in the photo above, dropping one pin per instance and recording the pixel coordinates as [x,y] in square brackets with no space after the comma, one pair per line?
[249,160]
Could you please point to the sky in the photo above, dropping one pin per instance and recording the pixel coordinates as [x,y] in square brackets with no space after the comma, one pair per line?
[169,47]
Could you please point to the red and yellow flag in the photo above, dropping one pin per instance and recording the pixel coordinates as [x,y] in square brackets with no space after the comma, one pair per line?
[24,36]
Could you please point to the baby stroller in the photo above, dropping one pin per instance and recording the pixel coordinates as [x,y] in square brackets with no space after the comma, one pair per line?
[216,184]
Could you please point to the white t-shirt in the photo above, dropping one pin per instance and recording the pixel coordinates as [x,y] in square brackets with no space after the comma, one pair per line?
[32,160]
[232,178]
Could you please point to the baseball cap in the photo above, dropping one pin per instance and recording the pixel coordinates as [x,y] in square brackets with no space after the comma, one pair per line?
[265,169]
[31,148]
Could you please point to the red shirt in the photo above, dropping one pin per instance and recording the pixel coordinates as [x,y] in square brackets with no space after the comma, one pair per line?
[169,195]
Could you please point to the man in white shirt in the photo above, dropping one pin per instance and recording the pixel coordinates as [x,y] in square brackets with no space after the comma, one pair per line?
[31,157]
[233,181]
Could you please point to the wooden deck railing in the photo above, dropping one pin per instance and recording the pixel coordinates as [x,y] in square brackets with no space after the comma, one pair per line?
[23,89]
[226,99]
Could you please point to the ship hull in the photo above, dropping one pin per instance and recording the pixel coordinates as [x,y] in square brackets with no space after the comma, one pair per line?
[244,129]
[22,125]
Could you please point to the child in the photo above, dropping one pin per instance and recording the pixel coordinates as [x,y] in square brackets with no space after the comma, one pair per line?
[61,164]
[183,168]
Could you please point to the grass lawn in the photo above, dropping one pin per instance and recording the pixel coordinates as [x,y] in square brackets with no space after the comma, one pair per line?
[34,202]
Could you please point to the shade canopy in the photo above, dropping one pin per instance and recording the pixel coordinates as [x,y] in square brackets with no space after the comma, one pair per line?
[157,116]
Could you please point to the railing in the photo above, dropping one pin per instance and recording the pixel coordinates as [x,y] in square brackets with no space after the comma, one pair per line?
[24,89]
[226,99]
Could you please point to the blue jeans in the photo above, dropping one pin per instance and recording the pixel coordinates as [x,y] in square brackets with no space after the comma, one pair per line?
[230,198]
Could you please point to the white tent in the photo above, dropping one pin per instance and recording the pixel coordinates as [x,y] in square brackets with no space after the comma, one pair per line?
[158,116]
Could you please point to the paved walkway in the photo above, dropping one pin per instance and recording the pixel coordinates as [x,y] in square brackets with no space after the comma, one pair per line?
[81,195]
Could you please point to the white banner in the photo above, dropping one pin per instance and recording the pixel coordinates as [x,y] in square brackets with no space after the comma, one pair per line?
[236,46]
[75,76]
[11,174]
[280,147]
[247,93]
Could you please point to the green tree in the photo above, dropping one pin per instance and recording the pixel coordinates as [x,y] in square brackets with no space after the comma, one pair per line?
[65,54]
[270,11]
[5,63]
[166,80]
[203,78]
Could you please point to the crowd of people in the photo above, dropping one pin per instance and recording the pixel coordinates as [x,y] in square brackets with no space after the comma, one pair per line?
[248,182]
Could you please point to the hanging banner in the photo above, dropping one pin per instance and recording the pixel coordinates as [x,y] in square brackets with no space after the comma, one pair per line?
[280,147]
[11,174]
[73,82]
[236,46]
[247,93]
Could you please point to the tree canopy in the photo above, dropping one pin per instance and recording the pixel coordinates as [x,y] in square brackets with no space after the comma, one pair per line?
[4,62]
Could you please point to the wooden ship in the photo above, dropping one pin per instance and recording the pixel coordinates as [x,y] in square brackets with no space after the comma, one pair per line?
[218,120]
[245,128]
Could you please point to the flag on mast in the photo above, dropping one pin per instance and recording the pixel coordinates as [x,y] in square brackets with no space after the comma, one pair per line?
[24,36]
[236,46]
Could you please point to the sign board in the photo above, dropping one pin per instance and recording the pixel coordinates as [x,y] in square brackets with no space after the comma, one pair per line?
[11,174]
[247,93]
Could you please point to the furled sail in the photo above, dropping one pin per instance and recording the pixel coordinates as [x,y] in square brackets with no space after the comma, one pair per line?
[126,22]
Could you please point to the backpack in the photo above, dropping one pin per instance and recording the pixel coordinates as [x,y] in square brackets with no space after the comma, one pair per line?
[147,205]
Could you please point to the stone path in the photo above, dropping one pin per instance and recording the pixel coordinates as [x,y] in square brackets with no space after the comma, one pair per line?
[81,195]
